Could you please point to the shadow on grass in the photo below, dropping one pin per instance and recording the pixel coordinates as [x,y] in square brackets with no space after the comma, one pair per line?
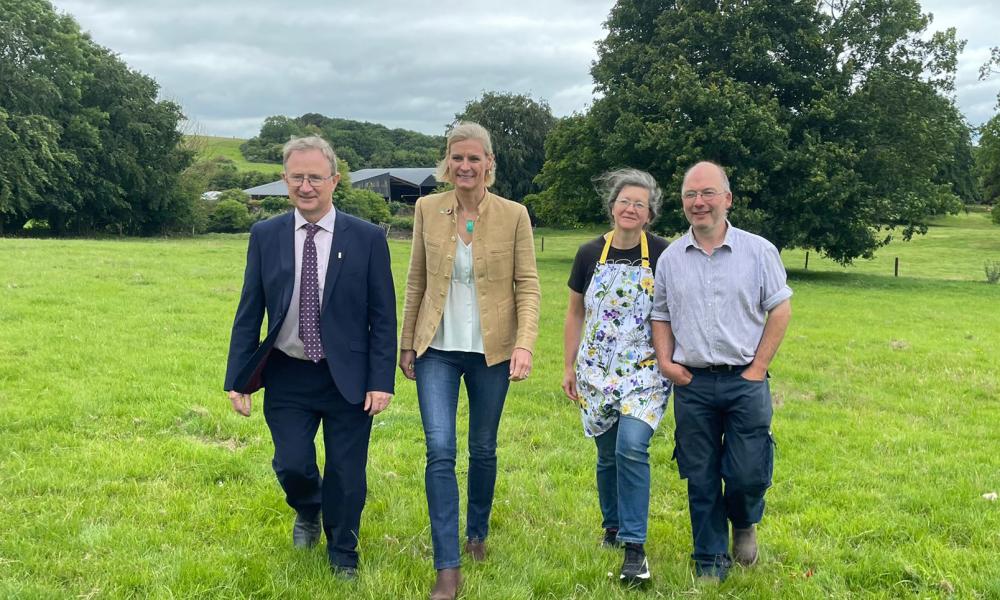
[876,281]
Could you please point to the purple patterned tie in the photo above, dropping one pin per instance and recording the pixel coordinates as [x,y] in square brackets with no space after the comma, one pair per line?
[309,298]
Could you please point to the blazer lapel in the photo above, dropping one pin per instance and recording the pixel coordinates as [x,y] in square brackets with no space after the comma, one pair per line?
[286,244]
[338,253]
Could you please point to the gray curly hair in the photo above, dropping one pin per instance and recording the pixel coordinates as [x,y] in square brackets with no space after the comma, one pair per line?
[610,184]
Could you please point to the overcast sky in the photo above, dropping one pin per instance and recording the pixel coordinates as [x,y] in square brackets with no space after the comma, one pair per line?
[402,63]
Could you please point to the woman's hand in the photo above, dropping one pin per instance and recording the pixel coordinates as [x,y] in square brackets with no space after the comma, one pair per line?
[569,385]
[520,364]
[406,360]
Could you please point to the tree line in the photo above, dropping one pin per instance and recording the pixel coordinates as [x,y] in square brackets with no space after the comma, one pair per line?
[837,123]
[363,145]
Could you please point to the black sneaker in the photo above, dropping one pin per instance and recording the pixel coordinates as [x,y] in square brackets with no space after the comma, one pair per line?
[611,539]
[635,569]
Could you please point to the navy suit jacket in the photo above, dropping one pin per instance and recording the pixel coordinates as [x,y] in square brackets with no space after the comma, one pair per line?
[358,317]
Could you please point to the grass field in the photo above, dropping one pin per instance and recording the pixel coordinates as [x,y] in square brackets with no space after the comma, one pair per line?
[125,474]
[208,146]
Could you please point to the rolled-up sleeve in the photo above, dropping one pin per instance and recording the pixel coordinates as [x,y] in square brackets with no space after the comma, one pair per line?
[774,286]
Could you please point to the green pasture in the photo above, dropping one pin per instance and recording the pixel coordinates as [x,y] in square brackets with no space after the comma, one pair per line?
[208,147]
[125,474]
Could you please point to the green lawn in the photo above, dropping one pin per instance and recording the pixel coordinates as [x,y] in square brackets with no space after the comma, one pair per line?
[125,474]
[208,146]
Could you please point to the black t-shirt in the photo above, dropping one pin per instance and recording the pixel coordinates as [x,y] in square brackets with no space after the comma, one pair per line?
[590,252]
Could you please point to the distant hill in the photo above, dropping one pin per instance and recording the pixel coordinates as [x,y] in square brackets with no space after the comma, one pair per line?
[207,147]
[363,145]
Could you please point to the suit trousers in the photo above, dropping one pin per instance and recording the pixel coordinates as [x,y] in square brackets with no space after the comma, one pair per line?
[298,395]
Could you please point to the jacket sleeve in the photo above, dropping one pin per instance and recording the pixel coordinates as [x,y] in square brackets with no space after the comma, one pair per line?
[527,293]
[245,337]
[416,279]
[381,319]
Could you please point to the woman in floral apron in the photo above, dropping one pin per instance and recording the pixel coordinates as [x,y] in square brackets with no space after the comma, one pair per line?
[610,365]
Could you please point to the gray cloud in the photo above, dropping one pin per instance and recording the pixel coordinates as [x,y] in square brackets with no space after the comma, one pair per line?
[406,64]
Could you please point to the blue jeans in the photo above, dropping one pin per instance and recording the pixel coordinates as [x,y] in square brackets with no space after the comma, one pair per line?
[438,373]
[623,478]
[722,436]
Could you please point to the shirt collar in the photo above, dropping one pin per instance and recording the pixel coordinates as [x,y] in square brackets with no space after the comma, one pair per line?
[326,223]
[727,241]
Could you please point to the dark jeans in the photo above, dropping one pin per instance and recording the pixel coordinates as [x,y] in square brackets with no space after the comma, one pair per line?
[623,478]
[299,394]
[438,375]
[723,436]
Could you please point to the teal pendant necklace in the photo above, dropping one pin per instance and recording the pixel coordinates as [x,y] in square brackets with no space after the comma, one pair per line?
[468,225]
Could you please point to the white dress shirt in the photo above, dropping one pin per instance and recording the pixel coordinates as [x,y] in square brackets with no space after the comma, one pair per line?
[288,338]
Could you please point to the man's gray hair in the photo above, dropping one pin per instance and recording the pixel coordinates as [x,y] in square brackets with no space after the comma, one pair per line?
[722,174]
[610,184]
[312,142]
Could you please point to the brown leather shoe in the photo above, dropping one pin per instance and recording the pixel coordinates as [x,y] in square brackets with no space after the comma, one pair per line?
[745,545]
[476,549]
[446,586]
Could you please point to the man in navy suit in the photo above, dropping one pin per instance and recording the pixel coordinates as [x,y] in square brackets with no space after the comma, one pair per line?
[324,278]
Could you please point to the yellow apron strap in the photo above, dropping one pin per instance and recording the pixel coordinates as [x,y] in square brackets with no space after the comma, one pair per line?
[607,246]
[645,251]
[643,242]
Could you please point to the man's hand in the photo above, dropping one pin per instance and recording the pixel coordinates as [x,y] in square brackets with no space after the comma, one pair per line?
[241,402]
[676,373]
[754,373]
[406,360]
[376,402]
[520,364]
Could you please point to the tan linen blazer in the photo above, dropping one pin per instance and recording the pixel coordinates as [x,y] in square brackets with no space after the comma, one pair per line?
[503,262]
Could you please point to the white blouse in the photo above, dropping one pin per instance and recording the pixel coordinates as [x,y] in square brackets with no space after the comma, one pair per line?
[459,329]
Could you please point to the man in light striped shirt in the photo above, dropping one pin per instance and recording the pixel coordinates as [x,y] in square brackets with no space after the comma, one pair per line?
[720,312]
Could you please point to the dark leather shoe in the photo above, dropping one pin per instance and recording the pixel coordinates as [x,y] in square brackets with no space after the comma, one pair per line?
[476,549]
[745,545]
[344,573]
[446,586]
[306,532]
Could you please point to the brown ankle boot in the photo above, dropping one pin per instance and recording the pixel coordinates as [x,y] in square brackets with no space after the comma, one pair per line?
[476,549]
[745,545]
[446,586]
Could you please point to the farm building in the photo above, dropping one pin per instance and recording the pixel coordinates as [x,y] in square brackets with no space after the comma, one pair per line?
[404,184]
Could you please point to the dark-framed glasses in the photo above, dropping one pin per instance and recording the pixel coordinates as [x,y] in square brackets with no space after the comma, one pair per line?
[706,194]
[314,180]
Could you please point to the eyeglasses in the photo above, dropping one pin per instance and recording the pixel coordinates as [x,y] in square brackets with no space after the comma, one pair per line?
[314,180]
[708,194]
[624,203]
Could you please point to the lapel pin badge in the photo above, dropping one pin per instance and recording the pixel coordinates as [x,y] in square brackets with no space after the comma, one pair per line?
[339,256]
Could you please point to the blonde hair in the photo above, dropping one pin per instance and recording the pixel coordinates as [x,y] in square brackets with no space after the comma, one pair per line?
[460,132]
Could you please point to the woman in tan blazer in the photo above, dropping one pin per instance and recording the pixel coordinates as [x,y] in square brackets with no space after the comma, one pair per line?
[471,312]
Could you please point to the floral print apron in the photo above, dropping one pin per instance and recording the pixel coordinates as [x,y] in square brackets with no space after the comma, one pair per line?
[616,370]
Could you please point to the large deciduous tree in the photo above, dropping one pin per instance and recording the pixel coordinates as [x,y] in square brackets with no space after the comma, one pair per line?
[834,120]
[84,143]
[988,160]
[518,125]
